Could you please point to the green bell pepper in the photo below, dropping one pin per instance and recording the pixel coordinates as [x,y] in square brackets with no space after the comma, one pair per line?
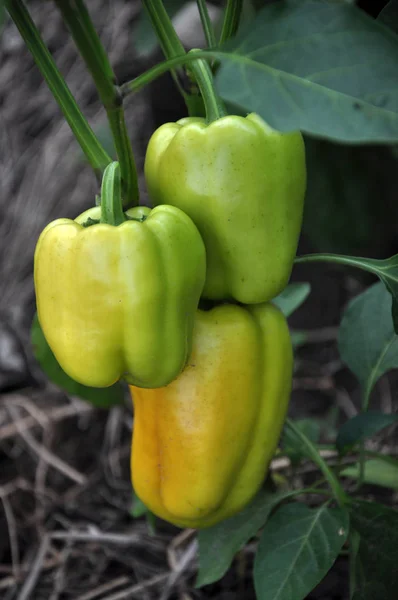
[243,185]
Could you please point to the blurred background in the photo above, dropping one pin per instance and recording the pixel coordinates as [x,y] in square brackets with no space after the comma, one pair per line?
[66,525]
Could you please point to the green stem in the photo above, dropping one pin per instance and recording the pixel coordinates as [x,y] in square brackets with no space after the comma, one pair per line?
[204,78]
[338,492]
[78,21]
[111,197]
[231,21]
[361,462]
[353,552]
[168,39]
[340,259]
[388,459]
[312,490]
[167,65]
[169,42]
[91,147]
[206,23]
[333,258]
[200,71]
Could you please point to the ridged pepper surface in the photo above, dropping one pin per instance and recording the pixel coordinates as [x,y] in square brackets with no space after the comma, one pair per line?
[202,444]
[243,184]
[119,301]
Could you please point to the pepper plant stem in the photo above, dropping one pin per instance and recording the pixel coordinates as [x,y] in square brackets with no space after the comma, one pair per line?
[153,73]
[78,21]
[231,21]
[168,39]
[201,72]
[312,452]
[206,23]
[91,147]
[172,47]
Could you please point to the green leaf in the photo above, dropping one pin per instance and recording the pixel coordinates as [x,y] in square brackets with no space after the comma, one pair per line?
[299,338]
[389,15]
[138,508]
[386,270]
[293,446]
[297,548]
[2,15]
[377,557]
[367,341]
[219,544]
[151,522]
[330,422]
[348,178]
[144,37]
[342,87]
[362,426]
[99,397]
[377,472]
[292,297]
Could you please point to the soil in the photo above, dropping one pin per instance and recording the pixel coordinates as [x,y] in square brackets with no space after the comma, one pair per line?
[66,530]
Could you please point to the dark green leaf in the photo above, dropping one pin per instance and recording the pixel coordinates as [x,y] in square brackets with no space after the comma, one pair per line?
[292,297]
[299,338]
[377,556]
[341,214]
[389,15]
[328,68]
[2,15]
[293,446]
[219,544]
[138,508]
[297,548]
[362,426]
[367,341]
[330,422]
[386,270]
[151,522]
[377,472]
[100,397]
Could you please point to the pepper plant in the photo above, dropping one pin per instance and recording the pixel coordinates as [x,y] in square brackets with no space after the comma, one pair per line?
[196,292]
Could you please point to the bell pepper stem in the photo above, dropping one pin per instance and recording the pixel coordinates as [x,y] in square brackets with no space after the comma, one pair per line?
[111,197]
[213,104]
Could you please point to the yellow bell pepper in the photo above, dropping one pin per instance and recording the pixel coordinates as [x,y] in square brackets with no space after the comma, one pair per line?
[119,301]
[202,444]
